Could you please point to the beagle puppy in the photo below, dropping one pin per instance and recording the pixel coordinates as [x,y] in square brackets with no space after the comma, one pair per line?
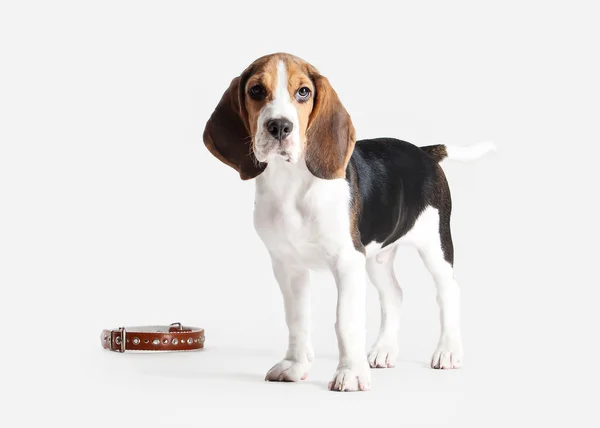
[327,201]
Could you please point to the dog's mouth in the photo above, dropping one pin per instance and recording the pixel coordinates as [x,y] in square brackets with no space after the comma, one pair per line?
[269,148]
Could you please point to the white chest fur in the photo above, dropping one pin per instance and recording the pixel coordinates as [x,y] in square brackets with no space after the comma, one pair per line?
[300,218]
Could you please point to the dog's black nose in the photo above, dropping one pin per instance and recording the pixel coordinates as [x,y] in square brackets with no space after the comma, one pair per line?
[279,128]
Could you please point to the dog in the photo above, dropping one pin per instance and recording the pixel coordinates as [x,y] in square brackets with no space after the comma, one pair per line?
[326,201]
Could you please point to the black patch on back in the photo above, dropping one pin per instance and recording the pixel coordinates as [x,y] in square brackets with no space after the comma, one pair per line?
[396,181]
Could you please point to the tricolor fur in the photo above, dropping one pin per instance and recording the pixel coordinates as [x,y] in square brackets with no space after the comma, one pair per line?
[325,201]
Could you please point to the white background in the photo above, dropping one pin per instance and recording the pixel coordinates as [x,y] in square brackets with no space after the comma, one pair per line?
[114,213]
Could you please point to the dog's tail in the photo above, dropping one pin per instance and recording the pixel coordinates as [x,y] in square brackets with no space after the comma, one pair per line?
[439,152]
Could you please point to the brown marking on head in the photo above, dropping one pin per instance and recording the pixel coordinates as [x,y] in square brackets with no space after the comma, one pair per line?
[263,73]
[324,127]
[299,76]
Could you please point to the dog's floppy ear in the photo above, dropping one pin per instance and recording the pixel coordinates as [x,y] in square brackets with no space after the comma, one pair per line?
[226,133]
[330,135]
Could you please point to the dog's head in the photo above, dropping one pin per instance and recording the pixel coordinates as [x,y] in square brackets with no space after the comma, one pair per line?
[280,106]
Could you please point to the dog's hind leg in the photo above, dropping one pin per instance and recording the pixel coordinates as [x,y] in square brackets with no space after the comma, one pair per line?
[436,250]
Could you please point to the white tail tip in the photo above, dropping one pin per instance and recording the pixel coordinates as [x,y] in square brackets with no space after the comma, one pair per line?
[470,153]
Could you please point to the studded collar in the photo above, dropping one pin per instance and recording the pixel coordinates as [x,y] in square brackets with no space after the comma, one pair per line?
[173,337]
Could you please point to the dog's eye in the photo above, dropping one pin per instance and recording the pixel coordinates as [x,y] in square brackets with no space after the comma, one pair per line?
[257,92]
[302,94]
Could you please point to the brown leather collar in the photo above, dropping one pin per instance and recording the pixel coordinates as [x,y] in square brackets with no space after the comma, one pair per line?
[174,337]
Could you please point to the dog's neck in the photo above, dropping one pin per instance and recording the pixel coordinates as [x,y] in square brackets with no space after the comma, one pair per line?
[283,179]
[302,219]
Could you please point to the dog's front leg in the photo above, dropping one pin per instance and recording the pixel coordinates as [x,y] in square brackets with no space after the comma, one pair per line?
[353,372]
[294,284]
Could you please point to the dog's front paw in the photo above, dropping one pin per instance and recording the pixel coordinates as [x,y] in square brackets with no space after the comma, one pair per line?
[448,355]
[383,355]
[287,371]
[352,377]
